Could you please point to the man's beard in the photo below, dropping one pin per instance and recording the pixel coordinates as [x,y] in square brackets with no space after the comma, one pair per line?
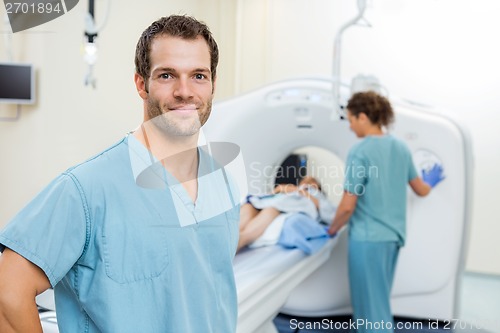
[171,125]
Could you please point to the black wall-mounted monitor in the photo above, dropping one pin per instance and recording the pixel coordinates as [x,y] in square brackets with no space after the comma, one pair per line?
[17,83]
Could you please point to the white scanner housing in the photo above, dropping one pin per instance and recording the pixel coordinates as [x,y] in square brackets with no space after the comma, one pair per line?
[270,123]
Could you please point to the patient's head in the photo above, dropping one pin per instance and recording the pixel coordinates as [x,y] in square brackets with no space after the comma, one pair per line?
[310,181]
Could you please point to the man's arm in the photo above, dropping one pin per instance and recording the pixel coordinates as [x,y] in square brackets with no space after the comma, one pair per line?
[20,282]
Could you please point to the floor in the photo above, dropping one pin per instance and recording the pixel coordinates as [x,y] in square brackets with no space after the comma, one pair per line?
[481,301]
[479,313]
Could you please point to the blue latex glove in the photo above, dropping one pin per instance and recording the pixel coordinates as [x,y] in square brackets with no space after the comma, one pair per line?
[434,175]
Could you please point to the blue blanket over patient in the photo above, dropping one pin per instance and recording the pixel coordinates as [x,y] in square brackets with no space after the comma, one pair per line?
[302,232]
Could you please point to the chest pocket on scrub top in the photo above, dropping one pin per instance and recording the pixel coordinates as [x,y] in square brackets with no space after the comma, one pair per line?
[135,250]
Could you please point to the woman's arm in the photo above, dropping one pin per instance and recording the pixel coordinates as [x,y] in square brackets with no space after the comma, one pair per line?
[430,178]
[420,187]
[344,212]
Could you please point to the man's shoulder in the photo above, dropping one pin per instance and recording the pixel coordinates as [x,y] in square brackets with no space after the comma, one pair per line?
[102,162]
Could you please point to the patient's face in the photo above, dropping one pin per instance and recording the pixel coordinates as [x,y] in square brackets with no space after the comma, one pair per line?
[309,181]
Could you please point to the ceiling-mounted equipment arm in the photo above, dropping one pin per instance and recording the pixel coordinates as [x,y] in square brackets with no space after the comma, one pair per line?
[91,32]
[337,110]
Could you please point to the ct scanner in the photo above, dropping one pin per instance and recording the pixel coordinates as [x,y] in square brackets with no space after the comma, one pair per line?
[270,123]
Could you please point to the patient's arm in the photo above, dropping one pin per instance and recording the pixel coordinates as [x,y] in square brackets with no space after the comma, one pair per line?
[21,281]
[247,213]
[344,212]
[256,226]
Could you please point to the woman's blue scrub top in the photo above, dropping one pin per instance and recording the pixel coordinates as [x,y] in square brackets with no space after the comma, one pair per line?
[378,170]
[124,257]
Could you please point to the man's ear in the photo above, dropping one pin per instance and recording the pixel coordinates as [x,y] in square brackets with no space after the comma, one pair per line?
[140,85]
[213,84]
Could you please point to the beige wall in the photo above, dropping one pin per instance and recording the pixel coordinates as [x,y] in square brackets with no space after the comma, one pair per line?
[422,51]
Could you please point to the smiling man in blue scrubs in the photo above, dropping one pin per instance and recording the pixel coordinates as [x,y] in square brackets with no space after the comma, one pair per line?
[141,237]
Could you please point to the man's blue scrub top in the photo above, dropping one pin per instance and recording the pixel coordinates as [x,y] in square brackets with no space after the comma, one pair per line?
[128,258]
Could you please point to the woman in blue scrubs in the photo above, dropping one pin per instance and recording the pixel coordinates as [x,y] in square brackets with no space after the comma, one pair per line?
[378,169]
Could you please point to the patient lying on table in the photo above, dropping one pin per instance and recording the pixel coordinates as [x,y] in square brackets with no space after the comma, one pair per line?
[305,203]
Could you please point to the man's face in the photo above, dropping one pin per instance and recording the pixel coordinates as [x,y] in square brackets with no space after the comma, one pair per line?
[180,85]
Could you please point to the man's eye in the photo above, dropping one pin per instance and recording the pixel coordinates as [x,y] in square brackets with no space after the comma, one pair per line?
[200,76]
[165,76]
